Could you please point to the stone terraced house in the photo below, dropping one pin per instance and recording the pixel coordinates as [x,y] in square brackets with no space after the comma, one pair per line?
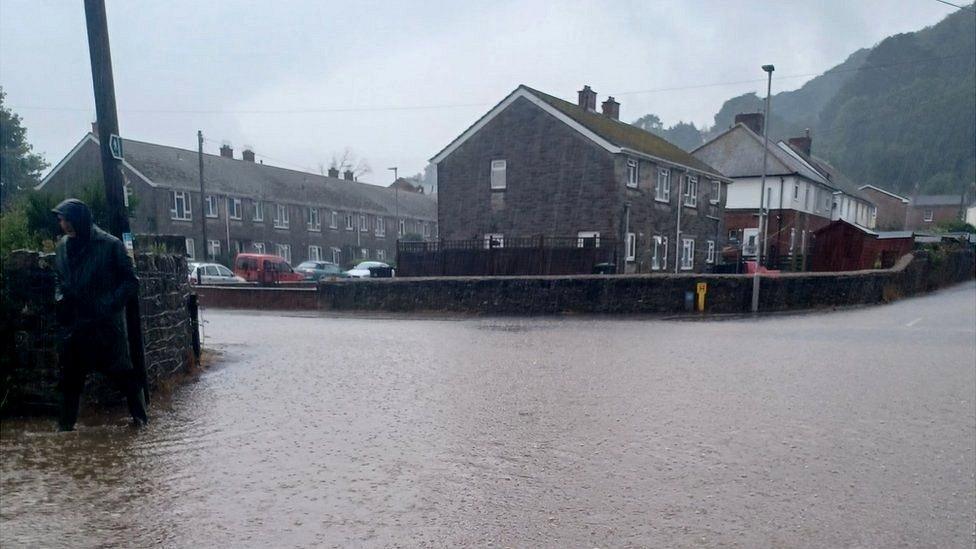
[250,206]
[536,165]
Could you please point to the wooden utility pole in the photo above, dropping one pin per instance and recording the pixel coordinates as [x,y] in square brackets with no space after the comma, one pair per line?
[108,132]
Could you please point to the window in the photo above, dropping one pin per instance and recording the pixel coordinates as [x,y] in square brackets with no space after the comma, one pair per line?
[126,193]
[180,208]
[363,223]
[401,228]
[426,230]
[691,191]
[336,255]
[258,216]
[664,256]
[281,217]
[792,239]
[633,173]
[381,254]
[806,198]
[334,220]
[191,252]
[710,254]
[284,250]
[662,191]
[716,192]
[587,239]
[733,234]
[929,215]
[349,226]
[687,253]
[259,247]
[364,253]
[212,206]
[380,226]
[796,192]
[498,169]
[315,253]
[657,252]
[631,246]
[827,202]
[234,207]
[213,248]
[312,219]
[494,240]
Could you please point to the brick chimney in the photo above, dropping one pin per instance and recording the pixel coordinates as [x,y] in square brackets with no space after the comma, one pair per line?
[802,144]
[751,120]
[587,98]
[347,175]
[611,109]
[248,155]
[334,172]
[226,151]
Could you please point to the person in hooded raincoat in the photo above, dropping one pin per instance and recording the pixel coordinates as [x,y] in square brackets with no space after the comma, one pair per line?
[95,278]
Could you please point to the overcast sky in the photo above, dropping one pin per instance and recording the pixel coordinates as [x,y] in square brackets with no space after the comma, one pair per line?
[299,80]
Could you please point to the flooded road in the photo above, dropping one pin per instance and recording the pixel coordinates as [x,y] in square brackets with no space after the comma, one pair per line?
[851,428]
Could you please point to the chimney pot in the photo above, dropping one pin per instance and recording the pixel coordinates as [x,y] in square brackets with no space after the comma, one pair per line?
[751,120]
[95,128]
[226,151]
[587,99]
[347,175]
[611,108]
[803,144]
[248,155]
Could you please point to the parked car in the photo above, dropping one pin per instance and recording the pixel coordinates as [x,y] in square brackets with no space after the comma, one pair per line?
[212,273]
[317,270]
[362,269]
[265,269]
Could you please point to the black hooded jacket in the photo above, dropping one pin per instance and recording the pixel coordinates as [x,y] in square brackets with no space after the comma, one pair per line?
[95,278]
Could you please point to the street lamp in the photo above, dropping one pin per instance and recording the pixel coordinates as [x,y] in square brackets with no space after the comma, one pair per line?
[760,241]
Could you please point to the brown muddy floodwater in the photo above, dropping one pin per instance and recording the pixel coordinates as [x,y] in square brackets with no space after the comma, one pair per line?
[845,429]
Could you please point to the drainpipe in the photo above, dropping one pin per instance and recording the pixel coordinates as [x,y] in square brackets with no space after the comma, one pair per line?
[779,216]
[677,228]
[626,229]
[227,228]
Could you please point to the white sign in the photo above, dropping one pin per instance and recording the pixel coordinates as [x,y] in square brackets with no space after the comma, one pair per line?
[115,145]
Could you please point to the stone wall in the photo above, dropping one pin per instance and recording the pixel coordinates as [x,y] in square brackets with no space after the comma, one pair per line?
[29,332]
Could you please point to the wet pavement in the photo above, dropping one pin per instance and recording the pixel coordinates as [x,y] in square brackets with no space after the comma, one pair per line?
[852,428]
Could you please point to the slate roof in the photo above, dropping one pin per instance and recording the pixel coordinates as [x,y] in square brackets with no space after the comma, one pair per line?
[937,200]
[835,177]
[177,168]
[625,135]
[737,152]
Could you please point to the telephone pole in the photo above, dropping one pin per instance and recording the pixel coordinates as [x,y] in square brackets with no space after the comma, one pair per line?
[108,130]
[203,198]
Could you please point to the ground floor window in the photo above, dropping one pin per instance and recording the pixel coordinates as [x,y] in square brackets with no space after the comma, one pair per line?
[659,253]
[259,247]
[190,249]
[364,253]
[381,254]
[710,254]
[213,248]
[631,246]
[588,239]
[315,253]
[687,253]
[494,240]
[336,255]
[284,250]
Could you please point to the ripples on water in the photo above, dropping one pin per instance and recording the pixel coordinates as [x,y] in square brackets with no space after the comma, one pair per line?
[521,432]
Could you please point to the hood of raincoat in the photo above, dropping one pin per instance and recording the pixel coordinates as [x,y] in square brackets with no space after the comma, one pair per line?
[78,214]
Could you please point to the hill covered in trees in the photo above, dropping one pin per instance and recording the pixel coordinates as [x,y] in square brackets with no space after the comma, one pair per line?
[900,115]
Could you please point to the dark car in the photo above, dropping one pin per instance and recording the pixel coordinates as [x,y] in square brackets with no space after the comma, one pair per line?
[317,270]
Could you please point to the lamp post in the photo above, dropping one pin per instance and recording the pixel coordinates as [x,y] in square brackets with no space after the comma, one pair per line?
[396,198]
[760,242]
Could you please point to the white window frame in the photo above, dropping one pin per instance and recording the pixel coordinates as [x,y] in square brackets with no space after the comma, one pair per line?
[662,189]
[213,248]
[258,247]
[656,242]
[690,198]
[796,192]
[716,191]
[631,247]
[191,248]
[258,215]
[336,255]
[315,253]
[126,193]
[499,169]
[235,208]
[633,173]
[364,252]
[664,258]
[181,206]
[401,228]
[313,223]
[381,254]
[581,236]
[363,223]
[281,220]
[350,224]
[687,254]
[497,238]
[213,208]
[710,252]
[284,250]
[426,230]
[334,220]
[792,239]
[928,215]
[380,226]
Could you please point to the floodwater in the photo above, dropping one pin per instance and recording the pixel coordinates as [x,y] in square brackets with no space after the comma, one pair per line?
[853,428]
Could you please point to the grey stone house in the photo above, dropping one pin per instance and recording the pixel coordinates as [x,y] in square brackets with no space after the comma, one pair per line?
[252,207]
[536,165]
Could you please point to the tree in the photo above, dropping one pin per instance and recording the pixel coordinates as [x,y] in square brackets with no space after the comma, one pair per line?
[348,161]
[20,168]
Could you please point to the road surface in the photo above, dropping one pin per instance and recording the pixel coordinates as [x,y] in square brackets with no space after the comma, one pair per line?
[837,429]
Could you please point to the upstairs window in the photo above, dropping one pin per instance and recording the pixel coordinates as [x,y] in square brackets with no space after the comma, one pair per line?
[334,220]
[929,215]
[281,217]
[796,192]
[258,216]
[235,208]
[211,206]
[498,169]
[662,190]
[312,219]
[363,223]
[349,225]
[691,191]
[633,173]
[180,207]
[716,192]
[380,226]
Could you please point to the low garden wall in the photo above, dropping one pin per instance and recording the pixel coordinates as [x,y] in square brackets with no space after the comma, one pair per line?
[29,332]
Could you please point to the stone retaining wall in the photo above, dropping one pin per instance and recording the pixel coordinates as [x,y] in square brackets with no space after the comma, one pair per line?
[29,332]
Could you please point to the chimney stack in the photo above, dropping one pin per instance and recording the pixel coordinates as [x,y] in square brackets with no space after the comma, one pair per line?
[587,99]
[802,144]
[611,109]
[226,151]
[248,155]
[95,128]
[334,172]
[751,120]
[347,175]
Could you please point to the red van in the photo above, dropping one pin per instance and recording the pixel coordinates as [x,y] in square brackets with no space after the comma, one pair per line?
[265,269]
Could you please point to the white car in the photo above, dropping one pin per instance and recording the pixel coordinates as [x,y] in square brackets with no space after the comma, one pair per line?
[212,273]
[362,270]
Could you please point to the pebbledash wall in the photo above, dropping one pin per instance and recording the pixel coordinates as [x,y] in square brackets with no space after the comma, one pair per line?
[29,357]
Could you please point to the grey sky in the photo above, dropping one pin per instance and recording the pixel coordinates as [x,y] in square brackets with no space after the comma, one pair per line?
[346,72]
